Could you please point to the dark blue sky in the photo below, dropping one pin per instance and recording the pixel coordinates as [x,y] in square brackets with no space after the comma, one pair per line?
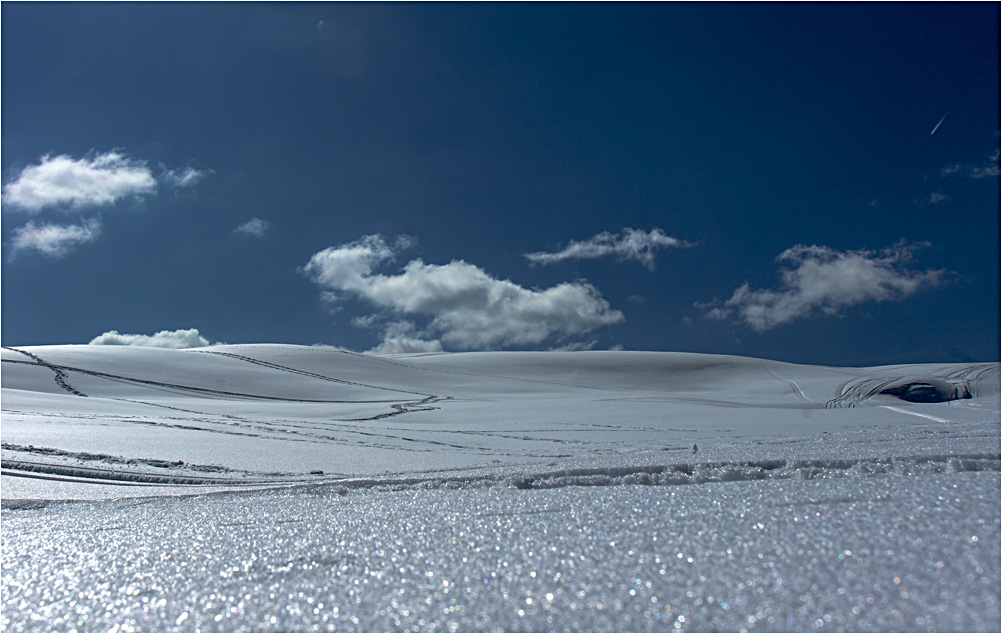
[485,132]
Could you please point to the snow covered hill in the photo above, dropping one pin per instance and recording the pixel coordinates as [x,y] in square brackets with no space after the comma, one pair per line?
[269,487]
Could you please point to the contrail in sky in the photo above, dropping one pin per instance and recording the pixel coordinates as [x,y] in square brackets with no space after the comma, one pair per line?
[939,124]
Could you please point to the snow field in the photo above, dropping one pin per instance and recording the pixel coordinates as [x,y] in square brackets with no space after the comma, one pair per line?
[285,488]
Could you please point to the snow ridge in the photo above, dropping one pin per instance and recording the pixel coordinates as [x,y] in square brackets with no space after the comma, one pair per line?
[649,475]
[761,470]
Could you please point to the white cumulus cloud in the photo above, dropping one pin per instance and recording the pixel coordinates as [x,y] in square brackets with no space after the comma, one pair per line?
[95,180]
[254,227]
[69,184]
[174,339]
[53,240]
[465,306]
[100,179]
[819,278]
[631,244]
[402,337]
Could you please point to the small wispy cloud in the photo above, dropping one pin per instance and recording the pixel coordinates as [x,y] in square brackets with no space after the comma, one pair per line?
[254,227]
[53,240]
[632,244]
[576,346]
[987,169]
[462,304]
[174,339]
[343,49]
[819,278]
[183,177]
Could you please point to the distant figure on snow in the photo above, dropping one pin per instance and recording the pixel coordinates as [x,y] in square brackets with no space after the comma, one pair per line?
[694,448]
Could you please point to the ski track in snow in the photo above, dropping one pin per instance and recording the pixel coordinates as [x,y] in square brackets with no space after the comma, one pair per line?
[792,384]
[910,413]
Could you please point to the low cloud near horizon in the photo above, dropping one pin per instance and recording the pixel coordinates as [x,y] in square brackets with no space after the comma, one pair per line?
[819,278]
[403,337]
[466,307]
[173,339]
[632,244]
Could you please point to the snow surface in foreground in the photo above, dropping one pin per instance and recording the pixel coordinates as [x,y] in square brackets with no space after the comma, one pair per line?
[290,488]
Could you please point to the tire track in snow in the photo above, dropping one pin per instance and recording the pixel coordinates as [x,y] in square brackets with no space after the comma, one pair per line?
[272,429]
[681,474]
[76,466]
[398,408]
[462,371]
[792,384]
[61,379]
[285,368]
[854,391]
[200,391]
[97,475]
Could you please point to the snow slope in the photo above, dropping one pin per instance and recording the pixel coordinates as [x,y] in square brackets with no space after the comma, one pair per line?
[267,487]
